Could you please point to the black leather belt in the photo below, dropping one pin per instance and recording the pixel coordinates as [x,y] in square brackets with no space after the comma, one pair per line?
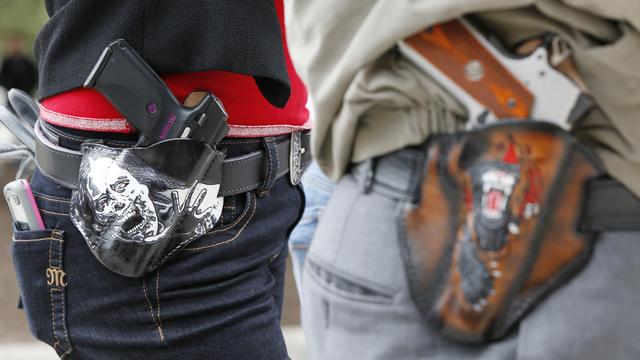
[610,207]
[239,174]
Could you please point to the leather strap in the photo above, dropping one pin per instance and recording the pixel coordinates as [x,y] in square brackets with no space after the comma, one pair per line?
[610,207]
[239,174]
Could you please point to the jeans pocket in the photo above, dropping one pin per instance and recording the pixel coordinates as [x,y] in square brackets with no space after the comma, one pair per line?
[223,234]
[38,258]
[232,208]
[345,286]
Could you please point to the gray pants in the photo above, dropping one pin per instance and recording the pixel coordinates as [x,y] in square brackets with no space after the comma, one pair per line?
[357,304]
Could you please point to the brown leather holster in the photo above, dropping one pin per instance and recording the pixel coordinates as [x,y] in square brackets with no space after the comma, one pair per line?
[494,227]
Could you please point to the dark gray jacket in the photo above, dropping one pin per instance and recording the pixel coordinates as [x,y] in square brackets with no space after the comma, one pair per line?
[241,36]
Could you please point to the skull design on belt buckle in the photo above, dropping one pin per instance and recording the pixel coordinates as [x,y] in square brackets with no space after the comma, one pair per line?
[133,216]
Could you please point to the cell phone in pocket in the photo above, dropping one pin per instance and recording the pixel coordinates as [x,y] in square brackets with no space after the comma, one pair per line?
[22,205]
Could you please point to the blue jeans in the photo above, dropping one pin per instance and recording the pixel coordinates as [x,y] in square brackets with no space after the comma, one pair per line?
[317,190]
[221,297]
[358,305]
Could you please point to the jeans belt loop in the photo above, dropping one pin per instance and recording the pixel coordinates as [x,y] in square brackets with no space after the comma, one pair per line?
[369,175]
[271,167]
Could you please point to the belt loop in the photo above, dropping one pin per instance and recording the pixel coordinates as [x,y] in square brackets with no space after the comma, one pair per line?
[271,167]
[50,135]
[369,168]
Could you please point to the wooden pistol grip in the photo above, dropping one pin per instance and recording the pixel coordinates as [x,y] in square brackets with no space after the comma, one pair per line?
[458,54]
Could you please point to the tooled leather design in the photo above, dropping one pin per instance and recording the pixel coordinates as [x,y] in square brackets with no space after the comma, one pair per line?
[495,228]
[476,280]
[493,189]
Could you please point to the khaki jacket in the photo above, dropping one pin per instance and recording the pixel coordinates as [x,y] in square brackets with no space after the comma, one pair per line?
[369,100]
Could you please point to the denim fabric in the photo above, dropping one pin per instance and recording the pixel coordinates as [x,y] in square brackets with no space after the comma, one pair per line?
[357,303]
[317,190]
[221,297]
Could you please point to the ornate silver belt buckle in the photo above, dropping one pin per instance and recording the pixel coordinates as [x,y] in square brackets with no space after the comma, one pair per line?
[295,158]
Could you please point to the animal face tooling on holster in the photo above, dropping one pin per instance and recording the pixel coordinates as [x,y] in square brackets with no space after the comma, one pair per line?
[495,226]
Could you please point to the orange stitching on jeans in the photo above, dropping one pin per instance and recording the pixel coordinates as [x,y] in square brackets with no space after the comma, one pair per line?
[47,197]
[53,316]
[161,332]
[53,212]
[64,325]
[230,240]
[59,254]
[146,296]
[158,299]
[32,240]
[64,314]
[53,327]
[50,246]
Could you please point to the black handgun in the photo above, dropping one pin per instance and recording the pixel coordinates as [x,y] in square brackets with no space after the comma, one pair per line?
[130,84]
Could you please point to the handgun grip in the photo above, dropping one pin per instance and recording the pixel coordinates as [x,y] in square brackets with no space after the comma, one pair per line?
[124,78]
[208,123]
[458,54]
[139,94]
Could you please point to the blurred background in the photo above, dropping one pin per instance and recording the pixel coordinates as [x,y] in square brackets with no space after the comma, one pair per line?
[27,16]
[20,21]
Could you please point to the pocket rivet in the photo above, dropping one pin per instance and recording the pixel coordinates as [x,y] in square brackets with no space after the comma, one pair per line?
[56,234]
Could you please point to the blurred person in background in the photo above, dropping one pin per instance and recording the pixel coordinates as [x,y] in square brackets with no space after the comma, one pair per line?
[17,71]
[373,106]
[317,191]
